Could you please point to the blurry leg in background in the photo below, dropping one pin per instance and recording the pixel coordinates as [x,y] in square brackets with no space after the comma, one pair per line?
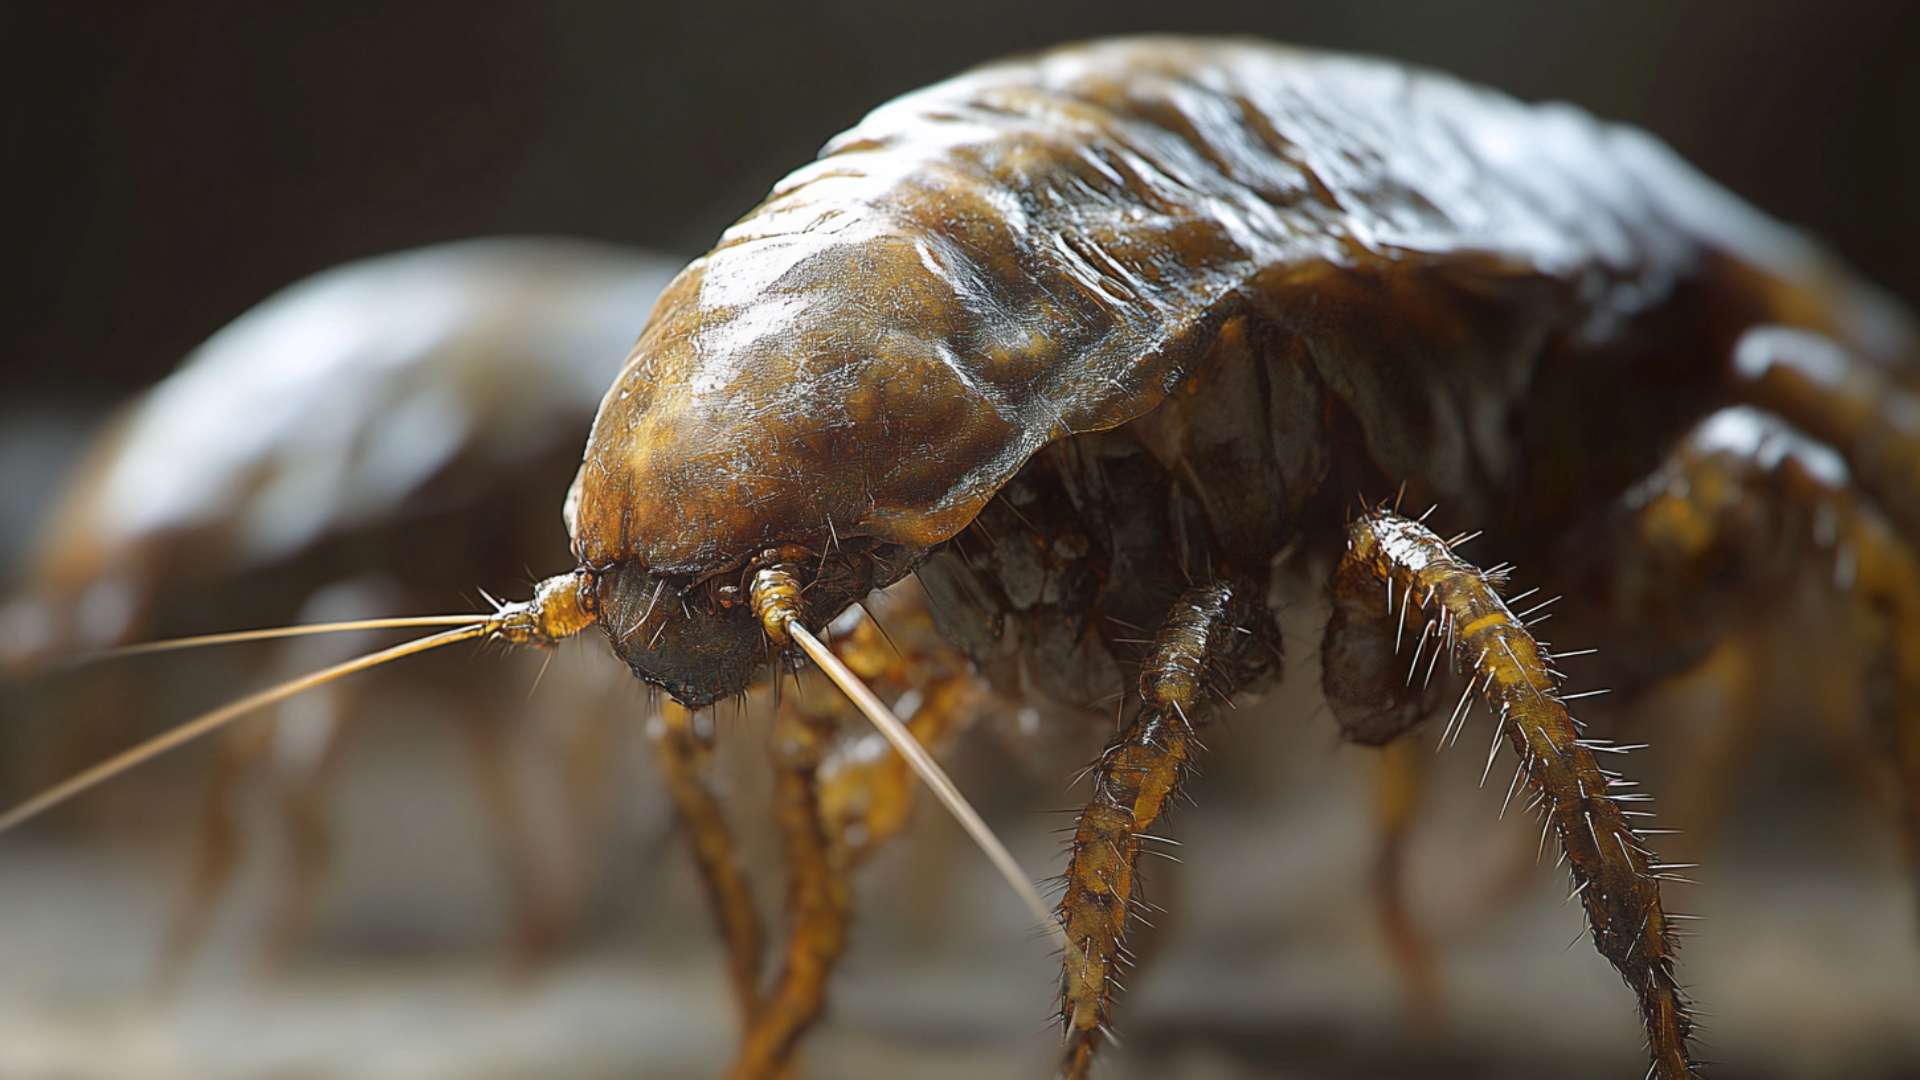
[683,747]
[216,848]
[1400,780]
[817,902]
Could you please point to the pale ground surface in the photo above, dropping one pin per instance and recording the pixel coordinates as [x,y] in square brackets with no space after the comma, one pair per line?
[1270,964]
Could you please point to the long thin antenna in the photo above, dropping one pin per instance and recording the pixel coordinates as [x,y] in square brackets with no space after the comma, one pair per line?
[271,633]
[223,715]
[930,771]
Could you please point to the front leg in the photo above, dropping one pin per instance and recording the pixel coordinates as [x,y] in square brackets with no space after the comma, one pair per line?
[1216,638]
[683,750]
[818,901]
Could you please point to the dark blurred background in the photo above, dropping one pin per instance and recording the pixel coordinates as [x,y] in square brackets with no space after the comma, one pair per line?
[169,164]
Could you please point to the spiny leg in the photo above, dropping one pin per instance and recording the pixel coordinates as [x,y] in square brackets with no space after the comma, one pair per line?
[1616,875]
[1215,638]
[684,753]
[818,899]
[1674,573]
[1378,697]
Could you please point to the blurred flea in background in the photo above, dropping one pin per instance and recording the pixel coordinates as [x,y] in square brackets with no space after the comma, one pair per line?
[368,439]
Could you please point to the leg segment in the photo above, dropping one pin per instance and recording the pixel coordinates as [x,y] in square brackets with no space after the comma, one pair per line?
[683,754]
[536,920]
[1215,638]
[867,790]
[817,902]
[1400,779]
[839,800]
[1862,411]
[216,850]
[1377,696]
[1616,875]
[1747,508]
[833,811]
[301,805]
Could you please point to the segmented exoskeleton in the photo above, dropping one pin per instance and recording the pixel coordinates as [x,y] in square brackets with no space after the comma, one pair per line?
[1089,340]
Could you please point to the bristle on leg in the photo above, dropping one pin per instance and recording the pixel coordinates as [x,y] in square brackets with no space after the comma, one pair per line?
[1134,780]
[1617,876]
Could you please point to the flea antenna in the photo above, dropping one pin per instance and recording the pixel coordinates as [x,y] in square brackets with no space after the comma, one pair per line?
[223,715]
[303,630]
[930,771]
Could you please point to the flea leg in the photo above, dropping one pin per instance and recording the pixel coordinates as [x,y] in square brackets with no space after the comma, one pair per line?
[1216,636]
[684,754]
[301,806]
[216,850]
[1616,875]
[535,921]
[840,799]
[867,790]
[817,902]
[1378,697]
[1751,507]
[304,744]
[1863,411]
[1400,776]
[1885,589]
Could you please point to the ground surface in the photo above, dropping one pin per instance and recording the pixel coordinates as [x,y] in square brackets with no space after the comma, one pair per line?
[1270,966]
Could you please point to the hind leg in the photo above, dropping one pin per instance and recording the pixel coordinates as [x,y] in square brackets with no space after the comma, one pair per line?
[1671,579]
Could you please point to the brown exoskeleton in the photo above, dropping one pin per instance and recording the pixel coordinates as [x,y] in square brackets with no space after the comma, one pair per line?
[1087,340]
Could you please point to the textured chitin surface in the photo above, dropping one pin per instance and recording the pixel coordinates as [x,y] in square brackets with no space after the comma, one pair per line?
[1045,246]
